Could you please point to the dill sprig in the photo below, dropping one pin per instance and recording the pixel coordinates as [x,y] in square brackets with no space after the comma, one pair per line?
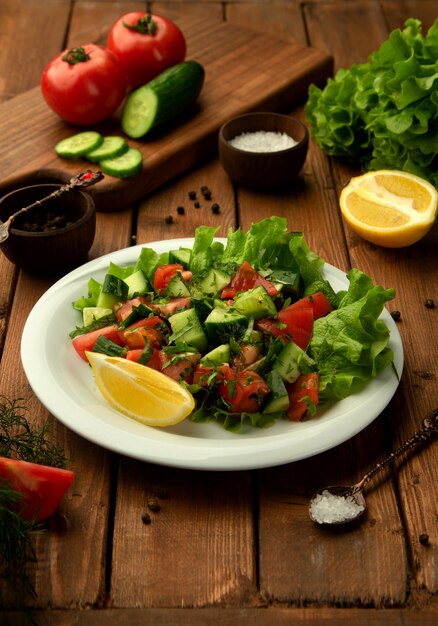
[19,440]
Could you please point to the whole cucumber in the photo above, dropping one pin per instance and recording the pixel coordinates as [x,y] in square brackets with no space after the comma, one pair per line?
[162,99]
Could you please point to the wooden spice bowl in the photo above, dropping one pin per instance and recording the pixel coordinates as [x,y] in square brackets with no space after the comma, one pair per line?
[59,244]
[263,170]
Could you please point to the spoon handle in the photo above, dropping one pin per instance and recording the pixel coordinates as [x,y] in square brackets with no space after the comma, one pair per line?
[430,427]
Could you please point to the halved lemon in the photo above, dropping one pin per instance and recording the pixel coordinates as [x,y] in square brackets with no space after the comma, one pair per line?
[389,208]
[140,392]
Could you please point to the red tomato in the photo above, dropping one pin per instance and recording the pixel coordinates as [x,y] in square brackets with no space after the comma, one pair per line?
[249,354]
[126,308]
[245,392]
[320,304]
[165,273]
[42,486]
[179,367]
[272,327]
[154,362]
[171,307]
[298,320]
[137,334]
[85,342]
[305,386]
[146,45]
[202,374]
[84,85]
[247,278]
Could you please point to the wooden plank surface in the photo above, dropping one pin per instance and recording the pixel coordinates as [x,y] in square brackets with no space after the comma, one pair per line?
[276,76]
[238,548]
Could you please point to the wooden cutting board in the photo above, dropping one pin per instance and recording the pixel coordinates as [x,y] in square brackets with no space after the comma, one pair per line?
[245,71]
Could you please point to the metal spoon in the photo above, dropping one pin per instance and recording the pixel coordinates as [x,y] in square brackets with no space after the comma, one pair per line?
[81,180]
[338,504]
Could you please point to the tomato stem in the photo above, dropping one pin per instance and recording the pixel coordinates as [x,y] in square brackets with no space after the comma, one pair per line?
[76,55]
[144,25]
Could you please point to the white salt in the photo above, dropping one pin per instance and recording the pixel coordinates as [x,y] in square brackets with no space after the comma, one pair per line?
[263,141]
[328,508]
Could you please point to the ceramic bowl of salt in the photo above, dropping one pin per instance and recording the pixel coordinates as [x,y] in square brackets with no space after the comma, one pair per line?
[263,151]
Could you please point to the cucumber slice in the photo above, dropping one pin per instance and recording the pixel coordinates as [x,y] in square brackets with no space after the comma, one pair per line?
[78,145]
[111,147]
[123,166]
[162,99]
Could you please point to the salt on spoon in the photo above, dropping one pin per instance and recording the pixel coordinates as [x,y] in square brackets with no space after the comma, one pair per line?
[81,180]
[339,505]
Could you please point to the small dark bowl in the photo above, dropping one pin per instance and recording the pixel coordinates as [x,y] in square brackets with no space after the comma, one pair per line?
[51,251]
[263,170]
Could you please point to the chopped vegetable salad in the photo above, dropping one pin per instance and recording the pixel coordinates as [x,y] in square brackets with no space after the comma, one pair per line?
[251,326]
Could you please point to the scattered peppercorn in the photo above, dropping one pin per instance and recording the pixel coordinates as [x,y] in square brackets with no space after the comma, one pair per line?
[197,205]
[153,504]
[146,518]
[168,219]
[396,315]
[180,210]
[215,208]
[429,303]
[206,192]
[192,195]
[424,539]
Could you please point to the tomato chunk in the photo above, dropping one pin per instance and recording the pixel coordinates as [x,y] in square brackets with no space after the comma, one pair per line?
[298,320]
[179,366]
[42,486]
[245,392]
[306,385]
[139,333]
[85,343]
[320,304]
[167,309]
[247,278]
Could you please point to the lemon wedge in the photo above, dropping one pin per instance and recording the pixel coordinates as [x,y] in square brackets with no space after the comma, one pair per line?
[140,392]
[389,208]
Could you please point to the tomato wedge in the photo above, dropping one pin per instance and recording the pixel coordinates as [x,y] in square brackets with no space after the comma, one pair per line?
[165,273]
[139,333]
[298,321]
[42,486]
[247,278]
[85,343]
[245,392]
[306,385]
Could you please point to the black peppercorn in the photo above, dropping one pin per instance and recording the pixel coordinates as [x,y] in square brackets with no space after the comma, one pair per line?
[396,315]
[192,195]
[206,192]
[429,303]
[215,208]
[168,219]
[197,205]
[180,210]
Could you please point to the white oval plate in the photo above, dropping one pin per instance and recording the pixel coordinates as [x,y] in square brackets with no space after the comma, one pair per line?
[65,386]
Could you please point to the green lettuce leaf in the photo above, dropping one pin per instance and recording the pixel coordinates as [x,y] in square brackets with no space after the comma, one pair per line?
[350,344]
[383,113]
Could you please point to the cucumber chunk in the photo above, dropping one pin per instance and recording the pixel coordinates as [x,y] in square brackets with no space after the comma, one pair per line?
[137,284]
[111,147]
[222,324]
[113,290]
[278,399]
[92,313]
[181,256]
[162,99]
[217,356]
[78,145]
[293,361]
[186,327]
[177,288]
[255,303]
[123,166]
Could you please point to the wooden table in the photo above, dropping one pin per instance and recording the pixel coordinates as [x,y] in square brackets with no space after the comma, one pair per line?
[238,547]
